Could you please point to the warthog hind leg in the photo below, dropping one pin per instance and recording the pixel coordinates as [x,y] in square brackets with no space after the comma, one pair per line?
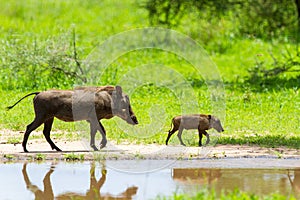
[31,127]
[46,132]
[171,132]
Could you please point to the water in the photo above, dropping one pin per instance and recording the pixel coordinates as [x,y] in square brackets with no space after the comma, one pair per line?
[95,180]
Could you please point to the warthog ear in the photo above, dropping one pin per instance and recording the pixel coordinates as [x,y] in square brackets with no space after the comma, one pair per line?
[119,90]
[209,116]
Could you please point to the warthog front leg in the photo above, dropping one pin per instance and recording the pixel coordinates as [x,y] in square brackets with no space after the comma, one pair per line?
[46,132]
[96,125]
[179,136]
[207,137]
[103,133]
[200,137]
[93,131]
[201,133]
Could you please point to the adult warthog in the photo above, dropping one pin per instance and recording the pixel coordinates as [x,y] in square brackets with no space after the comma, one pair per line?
[83,103]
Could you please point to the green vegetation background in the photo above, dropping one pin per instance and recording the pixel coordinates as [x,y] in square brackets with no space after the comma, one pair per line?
[37,53]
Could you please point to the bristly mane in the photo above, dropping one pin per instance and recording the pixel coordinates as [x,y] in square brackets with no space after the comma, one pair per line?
[108,88]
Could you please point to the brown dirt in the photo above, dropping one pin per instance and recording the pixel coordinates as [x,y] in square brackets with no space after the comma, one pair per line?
[38,147]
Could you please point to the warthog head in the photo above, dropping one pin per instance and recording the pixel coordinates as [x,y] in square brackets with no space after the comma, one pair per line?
[121,106]
[215,123]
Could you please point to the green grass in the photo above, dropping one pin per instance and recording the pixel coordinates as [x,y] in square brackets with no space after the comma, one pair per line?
[35,33]
[232,195]
[13,140]
[268,140]
[48,18]
[74,157]
[40,157]
[268,119]
[9,157]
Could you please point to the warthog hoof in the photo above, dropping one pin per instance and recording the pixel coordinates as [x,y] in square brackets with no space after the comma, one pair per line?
[207,141]
[102,146]
[94,147]
[103,143]
[57,149]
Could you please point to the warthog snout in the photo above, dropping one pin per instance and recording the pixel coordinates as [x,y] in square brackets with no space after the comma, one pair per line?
[134,120]
[220,130]
[215,123]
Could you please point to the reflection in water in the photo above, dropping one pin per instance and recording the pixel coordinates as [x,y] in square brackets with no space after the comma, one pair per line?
[92,193]
[197,176]
[257,181]
[96,181]
[295,182]
[39,194]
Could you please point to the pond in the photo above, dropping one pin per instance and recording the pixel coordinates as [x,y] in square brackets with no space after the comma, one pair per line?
[123,179]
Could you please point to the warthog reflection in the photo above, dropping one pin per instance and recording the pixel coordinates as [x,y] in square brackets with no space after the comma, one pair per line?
[92,193]
[258,181]
[295,182]
[197,175]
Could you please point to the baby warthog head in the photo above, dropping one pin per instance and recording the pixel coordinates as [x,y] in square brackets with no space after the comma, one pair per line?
[121,106]
[215,123]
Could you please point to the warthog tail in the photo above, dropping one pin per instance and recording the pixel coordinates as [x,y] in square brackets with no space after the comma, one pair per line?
[171,126]
[34,93]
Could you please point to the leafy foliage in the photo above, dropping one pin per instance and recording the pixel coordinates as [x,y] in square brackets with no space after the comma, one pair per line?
[259,18]
[35,64]
[282,72]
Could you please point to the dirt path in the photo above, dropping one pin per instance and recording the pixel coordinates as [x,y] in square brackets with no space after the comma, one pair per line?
[78,149]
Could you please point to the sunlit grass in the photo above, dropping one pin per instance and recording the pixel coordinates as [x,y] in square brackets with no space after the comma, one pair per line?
[268,119]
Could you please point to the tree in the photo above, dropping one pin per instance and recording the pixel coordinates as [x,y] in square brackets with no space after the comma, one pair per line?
[261,18]
[265,19]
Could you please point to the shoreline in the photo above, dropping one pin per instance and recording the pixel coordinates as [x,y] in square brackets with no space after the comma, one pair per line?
[80,150]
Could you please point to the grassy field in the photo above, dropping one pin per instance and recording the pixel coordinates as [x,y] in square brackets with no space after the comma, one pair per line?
[36,34]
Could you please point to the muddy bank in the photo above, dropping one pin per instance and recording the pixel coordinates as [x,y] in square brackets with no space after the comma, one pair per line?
[113,151]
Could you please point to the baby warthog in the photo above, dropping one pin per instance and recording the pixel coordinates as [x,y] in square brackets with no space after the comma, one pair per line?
[196,121]
[83,103]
